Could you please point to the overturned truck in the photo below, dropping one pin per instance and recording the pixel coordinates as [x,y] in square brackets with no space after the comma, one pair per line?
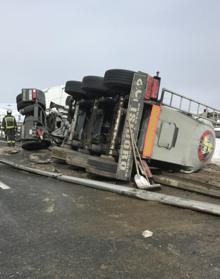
[31,104]
[170,130]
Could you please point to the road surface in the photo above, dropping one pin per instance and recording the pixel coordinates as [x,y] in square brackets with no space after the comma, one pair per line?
[51,229]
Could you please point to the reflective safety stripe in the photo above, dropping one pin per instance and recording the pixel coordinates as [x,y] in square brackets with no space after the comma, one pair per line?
[11,141]
[151,131]
[9,122]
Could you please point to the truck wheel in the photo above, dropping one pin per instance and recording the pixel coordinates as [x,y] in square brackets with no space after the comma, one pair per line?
[40,94]
[119,80]
[22,104]
[35,145]
[94,86]
[19,98]
[74,89]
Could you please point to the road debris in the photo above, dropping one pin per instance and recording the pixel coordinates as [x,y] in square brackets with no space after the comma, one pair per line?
[147,233]
[3,186]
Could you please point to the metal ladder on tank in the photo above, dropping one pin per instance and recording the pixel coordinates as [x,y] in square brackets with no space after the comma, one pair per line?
[190,106]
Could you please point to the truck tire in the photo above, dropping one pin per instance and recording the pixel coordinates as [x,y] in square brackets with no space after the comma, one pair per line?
[74,89]
[94,86]
[22,104]
[35,145]
[119,80]
[40,98]
[18,98]
[27,110]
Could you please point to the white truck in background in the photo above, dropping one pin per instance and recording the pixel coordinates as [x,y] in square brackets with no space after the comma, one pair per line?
[55,94]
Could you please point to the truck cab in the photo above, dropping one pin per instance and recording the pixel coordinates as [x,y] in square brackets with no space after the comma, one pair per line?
[31,104]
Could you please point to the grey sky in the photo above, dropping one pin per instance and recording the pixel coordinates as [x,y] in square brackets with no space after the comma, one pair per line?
[46,42]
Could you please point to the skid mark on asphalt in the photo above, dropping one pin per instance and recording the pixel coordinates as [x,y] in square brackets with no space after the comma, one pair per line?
[3,186]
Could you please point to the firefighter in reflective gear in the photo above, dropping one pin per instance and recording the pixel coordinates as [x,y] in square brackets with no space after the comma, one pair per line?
[10,127]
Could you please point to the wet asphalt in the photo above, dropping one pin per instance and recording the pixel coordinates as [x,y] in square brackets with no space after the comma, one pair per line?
[53,229]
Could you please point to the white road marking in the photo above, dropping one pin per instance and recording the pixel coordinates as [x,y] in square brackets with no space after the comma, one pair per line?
[4,186]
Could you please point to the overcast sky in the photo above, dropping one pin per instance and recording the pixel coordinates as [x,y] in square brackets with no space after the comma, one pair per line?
[47,42]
